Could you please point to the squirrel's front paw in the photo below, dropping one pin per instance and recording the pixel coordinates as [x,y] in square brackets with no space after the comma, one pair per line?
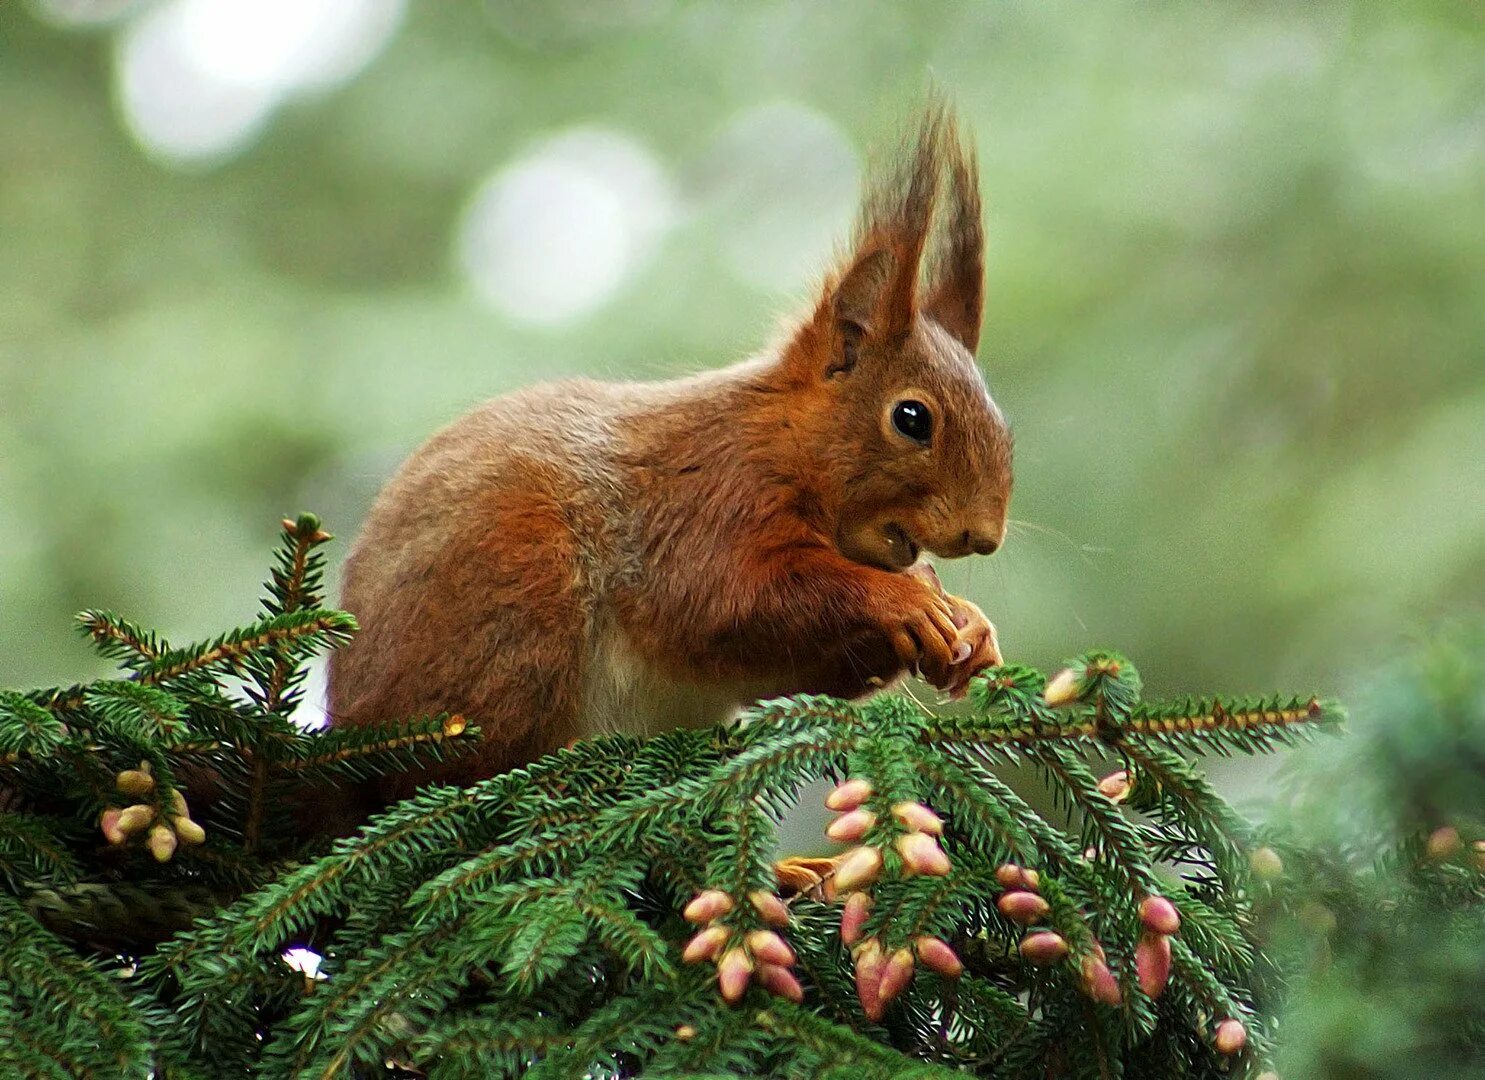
[976,648]
[919,623]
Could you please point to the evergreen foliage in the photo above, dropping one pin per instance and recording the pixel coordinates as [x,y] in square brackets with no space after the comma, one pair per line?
[532,924]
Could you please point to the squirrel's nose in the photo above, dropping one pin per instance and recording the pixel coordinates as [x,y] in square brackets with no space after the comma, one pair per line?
[983,541]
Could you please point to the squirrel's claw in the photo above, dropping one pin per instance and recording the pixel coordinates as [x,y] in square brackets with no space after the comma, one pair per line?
[976,648]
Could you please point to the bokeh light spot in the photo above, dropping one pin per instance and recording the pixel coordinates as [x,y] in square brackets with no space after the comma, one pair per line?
[781,179]
[198,79]
[554,235]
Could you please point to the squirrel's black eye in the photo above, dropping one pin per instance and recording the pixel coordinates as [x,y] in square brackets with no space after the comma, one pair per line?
[913,419]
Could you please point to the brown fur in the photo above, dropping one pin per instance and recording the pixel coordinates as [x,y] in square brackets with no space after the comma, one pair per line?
[582,556]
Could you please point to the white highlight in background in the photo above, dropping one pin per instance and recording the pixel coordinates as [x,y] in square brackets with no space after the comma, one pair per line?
[199,79]
[781,179]
[554,235]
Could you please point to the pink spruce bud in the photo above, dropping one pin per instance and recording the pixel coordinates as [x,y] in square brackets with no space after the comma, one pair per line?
[857,868]
[853,917]
[849,795]
[1152,963]
[108,821]
[780,981]
[708,905]
[135,782]
[1266,864]
[733,972]
[918,818]
[770,908]
[852,826]
[1009,875]
[895,976]
[1230,1037]
[769,948]
[1116,786]
[187,831]
[1159,915]
[1444,843]
[1044,948]
[162,842]
[136,818]
[705,945]
[937,955]
[922,855]
[1099,981]
[1062,688]
[870,965]
[1023,908]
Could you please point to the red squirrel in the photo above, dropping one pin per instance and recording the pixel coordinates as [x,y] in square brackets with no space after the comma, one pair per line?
[581,557]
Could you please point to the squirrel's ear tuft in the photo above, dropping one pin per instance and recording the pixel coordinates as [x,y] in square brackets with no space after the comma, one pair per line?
[873,294]
[956,279]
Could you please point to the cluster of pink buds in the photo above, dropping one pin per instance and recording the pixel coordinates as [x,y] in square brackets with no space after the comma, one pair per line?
[1159,918]
[882,975]
[164,829]
[859,867]
[742,957]
[1023,905]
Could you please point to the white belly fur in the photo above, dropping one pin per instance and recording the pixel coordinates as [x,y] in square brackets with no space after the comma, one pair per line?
[624,695]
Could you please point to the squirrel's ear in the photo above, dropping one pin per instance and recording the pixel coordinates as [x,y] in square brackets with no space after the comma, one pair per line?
[955,296]
[874,296]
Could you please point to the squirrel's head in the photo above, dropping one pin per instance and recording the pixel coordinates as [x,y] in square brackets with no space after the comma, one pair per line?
[911,451]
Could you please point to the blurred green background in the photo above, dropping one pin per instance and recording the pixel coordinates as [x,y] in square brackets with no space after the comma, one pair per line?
[253,251]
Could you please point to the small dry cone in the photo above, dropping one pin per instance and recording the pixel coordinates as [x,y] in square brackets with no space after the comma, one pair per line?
[770,908]
[685,1033]
[849,795]
[870,964]
[922,855]
[853,917]
[162,842]
[1266,864]
[1230,1037]
[705,945]
[1062,688]
[1159,915]
[938,955]
[1023,908]
[1043,948]
[895,977]
[187,831]
[780,981]
[852,826]
[857,868]
[734,971]
[918,818]
[706,906]
[802,875]
[1152,963]
[767,947]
